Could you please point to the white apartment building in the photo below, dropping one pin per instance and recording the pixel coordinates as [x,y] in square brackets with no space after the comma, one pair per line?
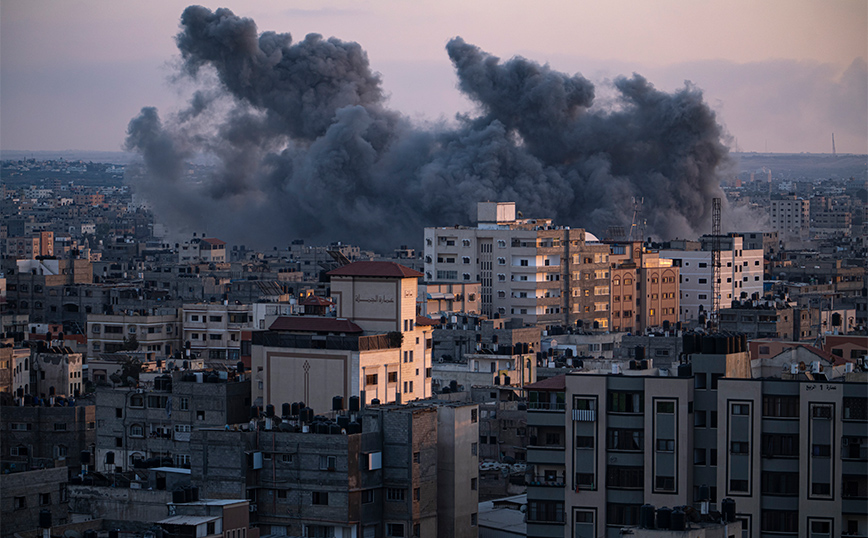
[741,275]
[790,215]
[213,330]
[528,268]
[157,335]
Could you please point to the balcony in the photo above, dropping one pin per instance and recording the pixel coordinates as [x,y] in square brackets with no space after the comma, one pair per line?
[584,415]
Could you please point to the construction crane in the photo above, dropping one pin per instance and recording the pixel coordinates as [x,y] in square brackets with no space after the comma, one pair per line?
[715,262]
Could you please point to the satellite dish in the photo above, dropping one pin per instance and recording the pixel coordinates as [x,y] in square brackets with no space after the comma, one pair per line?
[802,366]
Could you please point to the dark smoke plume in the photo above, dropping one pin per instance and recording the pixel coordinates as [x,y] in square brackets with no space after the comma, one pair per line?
[306,147]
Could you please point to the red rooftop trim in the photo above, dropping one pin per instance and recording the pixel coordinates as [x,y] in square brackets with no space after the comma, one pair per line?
[558,382]
[315,300]
[422,320]
[376,269]
[314,325]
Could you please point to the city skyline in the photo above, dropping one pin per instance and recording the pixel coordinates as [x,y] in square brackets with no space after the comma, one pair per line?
[780,76]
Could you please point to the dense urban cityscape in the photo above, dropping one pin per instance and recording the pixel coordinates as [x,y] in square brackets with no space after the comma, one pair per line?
[509,377]
[525,271]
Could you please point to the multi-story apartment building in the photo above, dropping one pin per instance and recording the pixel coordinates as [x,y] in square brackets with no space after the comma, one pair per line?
[741,275]
[156,418]
[470,350]
[644,290]
[202,250]
[46,290]
[528,268]
[38,436]
[158,334]
[790,451]
[790,216]
[25,494]
[28,248]
[409,470]
[375,348]
[213,330]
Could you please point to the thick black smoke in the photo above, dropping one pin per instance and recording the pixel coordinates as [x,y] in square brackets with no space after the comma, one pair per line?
[306,147]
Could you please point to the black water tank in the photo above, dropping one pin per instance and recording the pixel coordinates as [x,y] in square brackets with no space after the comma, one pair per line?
[90,533]
[306,415]
[269,410]
[338,403]
[285,409]
[453,386]
[646,516]
[355,404]
[239,367]
[45,519]
[685,370]
[727,510]
[633,365]
[506,380]
[664,518]
[639,353]
[704,493]
[161,482]
[643,364]
[375,401]
[188,494]
[666,324]
[294,408]
[354,427]
[85,457]
[678,520]
[335,429]
[195,491]
[114,533]
[254,412]
[343,421]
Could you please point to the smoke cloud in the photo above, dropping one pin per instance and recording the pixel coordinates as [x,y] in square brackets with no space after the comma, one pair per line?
[306,147]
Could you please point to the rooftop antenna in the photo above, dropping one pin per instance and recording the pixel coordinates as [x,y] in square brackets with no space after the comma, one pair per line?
[637,205]
[835,155]
[715,261]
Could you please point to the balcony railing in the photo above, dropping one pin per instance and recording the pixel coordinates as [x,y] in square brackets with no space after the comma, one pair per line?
[546,406]
[584,415]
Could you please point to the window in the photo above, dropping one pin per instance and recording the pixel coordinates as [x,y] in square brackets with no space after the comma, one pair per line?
[136,430]
[396,494]
[781,406]
[624,477]
[367,496]
[473,519]
[473,484]
[739,447]
[215,337]
[738,485]
[371,379]
[417,494]
[584,441]
[779,521]
[740,409]
[666,407]
[20,503]
[473,415]
[626,402]
[855,408]
[319,497]
[545,511]
[394,529]
[327,463]
[474,449]
[626,439]
[664,483]
[665,445]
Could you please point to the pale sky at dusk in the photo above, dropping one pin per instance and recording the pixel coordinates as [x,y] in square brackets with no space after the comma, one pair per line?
[781,75]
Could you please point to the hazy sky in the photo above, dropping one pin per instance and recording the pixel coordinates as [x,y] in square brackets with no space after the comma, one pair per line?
[782,75]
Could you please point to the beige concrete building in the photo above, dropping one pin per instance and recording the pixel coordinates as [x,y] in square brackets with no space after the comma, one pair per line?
[530,269]
[790,216]
[373,349]
[645,288]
